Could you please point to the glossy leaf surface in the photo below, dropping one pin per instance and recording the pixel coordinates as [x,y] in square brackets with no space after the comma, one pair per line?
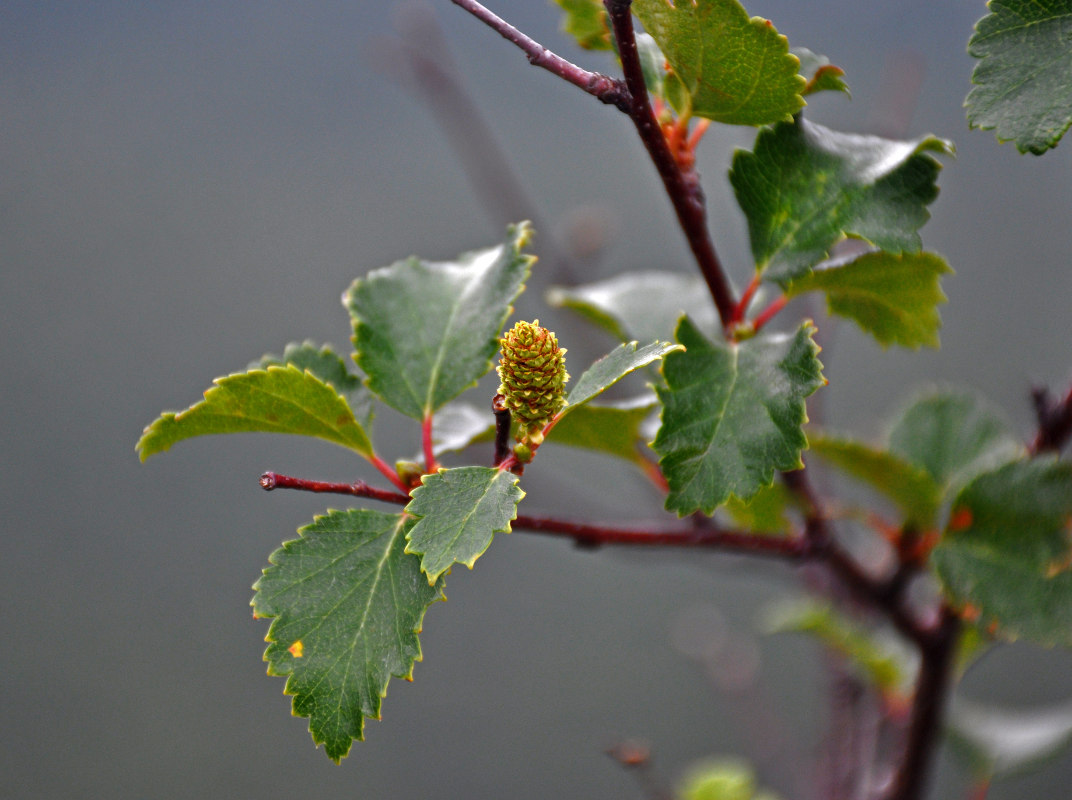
[459,512]
[733,414]
[805,187]
[894,297]
[614,366]
[347,603]
[426,331]
[1002,741]
[641,305]
[1023,81]
[736,69]
[1006,556]
[275,400]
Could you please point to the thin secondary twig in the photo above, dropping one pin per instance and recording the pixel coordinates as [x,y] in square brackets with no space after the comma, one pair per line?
[683,189]
[599,86]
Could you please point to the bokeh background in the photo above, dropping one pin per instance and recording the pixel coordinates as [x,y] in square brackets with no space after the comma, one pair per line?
[187,185]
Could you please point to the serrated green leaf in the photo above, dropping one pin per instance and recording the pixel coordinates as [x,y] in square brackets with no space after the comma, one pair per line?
[347,603]
[326,364]
[733,414]
[459,512]
[805,187]
[998,742]
[426,331]
[820,74]
[877,659]
[737,69]
[612,429]
[1023,81]
[911,487]
[894,297]
[586,21]
[641,305]
[953,435]
[611,368]
[1007,553]
[275,400]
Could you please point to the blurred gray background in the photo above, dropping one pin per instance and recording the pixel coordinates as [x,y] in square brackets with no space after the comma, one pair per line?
[188,185]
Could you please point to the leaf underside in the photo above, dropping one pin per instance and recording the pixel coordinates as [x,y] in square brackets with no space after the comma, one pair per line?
[347,603]
[611,368]
[273,400]
[733,414]
[1023,81]
[425,331]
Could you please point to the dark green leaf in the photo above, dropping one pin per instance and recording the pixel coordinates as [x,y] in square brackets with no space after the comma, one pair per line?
[910,486]
[1023,81]
[330,367]
[641,305]
[737,70]
[612,429]
[275,400]
[953,435]
[894,297]
[610,369]
[805,187]
[586,21]
[733,414]
[820,74]
[426,331]
[1006,555]
[1002,741]
[348,604]
[460,510]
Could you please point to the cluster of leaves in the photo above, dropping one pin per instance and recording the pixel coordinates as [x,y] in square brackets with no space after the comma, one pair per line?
[348,597]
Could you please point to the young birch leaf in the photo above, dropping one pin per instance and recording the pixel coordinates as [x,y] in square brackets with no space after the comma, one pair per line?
[273,400]
[612,429]
[909,486]
[426,331]
[1023,81]
[805,187]
[894,297]
[953,436]
[329,366]
[459,511]
[736,70]
[820,74]
[641,305]
[347,603]
[586,21]
[1007,552]
[733,414]
[614,366]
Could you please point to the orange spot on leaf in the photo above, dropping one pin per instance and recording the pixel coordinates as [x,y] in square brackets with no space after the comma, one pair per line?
[296,649]
[970,613]
[960,519]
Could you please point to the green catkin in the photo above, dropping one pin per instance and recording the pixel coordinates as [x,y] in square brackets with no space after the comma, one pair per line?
[533,374]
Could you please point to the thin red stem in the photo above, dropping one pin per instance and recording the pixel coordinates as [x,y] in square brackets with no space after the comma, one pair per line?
[428,445]
[771,311]
[390,474]
[746,299]
[599,86]
[273,480]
